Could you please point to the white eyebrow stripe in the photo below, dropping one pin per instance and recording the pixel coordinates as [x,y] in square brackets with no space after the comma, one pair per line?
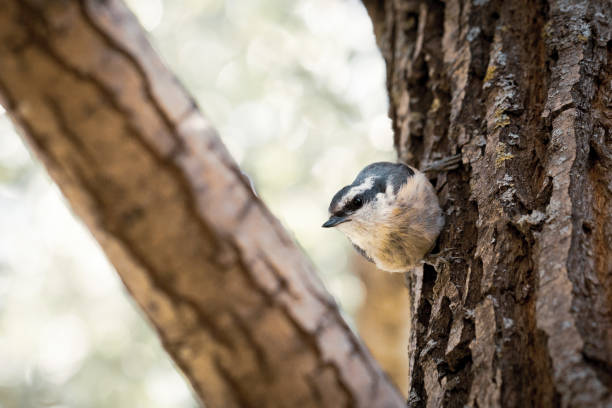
[367,184]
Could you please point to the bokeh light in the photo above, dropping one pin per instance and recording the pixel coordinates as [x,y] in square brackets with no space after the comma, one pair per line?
[296,91]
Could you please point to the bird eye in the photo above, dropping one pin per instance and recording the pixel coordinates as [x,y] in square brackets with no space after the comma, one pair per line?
[356,203]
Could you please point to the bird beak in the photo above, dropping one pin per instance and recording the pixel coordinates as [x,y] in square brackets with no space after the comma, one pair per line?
[334,220]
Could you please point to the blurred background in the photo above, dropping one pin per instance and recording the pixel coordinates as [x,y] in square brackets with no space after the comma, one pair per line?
[296,91]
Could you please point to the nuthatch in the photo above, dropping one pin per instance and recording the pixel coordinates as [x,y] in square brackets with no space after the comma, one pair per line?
[390,213]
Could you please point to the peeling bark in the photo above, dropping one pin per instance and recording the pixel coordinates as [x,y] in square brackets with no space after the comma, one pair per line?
[236,305]
[523,90]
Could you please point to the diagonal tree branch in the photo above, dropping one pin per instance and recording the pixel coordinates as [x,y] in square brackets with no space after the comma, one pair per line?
[236,304]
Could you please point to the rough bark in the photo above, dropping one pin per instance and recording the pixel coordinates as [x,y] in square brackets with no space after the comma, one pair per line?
[523,90]
[236,305]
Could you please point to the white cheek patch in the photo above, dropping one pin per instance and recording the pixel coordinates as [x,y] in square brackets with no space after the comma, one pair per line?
[388,197]
[372,213]
[384,205]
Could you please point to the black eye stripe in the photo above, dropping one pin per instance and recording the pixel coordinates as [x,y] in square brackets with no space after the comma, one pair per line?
[353,205]
[356,203]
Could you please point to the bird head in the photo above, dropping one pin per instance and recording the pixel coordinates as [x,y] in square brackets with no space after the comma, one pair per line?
[365,204]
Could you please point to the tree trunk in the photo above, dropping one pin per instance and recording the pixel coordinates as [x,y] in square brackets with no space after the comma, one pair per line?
[523,89]
[236,305]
